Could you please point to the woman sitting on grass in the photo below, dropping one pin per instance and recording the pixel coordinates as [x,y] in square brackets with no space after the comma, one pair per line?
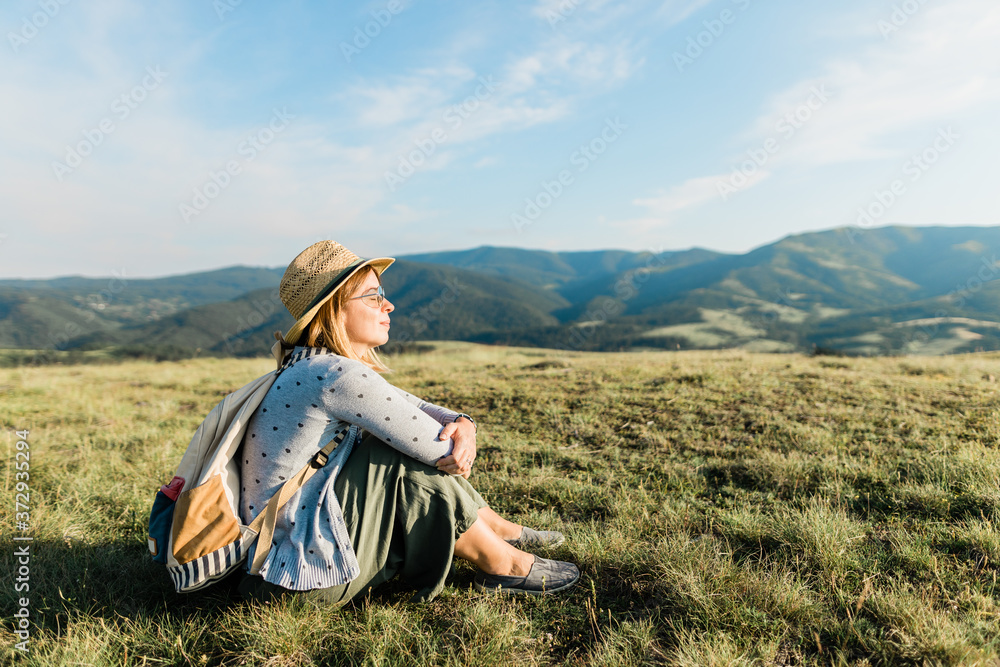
[397,501]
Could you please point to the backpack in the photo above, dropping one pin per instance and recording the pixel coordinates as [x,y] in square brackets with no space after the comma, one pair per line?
[197,533]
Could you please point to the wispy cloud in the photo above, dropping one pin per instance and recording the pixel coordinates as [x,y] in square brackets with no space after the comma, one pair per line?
[662,209]
[463,108]
[675,11]
[941,63]
[325,174]
[321,175]
[413,96]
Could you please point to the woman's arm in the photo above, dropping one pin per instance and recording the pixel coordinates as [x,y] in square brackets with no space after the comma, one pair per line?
[440,414]
[356,394]
[463,433]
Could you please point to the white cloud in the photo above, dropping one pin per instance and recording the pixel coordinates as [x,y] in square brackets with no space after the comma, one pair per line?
[662,209]
[691,192]
[522,74]
[675,11]
[560,62]
[464,107]
[119,208]
[382,105]
[323,175]
[941,64]
[555,12]
[546,9]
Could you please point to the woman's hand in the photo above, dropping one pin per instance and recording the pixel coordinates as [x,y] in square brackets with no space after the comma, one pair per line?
[463,434]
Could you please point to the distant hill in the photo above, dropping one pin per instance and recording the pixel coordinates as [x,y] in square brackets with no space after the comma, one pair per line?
[568,273]
[49,313]
[848,289]
[434,302]
[46,319]
[888,290]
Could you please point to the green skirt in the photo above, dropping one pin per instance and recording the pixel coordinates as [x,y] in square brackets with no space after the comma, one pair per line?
[403,517]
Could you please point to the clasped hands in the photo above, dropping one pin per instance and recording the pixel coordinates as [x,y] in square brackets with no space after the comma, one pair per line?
[463,434]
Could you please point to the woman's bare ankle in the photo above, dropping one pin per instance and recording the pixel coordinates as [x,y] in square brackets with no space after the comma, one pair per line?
[521,564]
[505,530]
[509,532]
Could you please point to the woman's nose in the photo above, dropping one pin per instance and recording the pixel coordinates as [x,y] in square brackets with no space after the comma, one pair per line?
[387,306]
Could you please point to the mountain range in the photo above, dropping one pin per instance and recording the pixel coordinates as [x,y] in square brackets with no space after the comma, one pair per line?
[888,290]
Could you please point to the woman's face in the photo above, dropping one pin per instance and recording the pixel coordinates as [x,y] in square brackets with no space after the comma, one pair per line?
[367,325]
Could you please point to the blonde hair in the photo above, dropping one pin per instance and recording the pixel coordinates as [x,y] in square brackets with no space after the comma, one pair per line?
[327,328]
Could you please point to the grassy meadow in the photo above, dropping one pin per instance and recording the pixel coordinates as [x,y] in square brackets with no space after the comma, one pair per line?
[725,507]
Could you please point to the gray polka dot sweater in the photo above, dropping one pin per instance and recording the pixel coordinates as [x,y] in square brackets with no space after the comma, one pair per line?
[313,398]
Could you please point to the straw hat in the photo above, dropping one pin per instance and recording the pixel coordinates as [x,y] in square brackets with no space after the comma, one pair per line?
[313,277]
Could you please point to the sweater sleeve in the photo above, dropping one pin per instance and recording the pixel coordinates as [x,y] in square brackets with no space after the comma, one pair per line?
[359,395]
[440,414]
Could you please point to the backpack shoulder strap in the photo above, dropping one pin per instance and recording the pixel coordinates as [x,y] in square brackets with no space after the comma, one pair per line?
[263,523]
[216,438]
[281,349]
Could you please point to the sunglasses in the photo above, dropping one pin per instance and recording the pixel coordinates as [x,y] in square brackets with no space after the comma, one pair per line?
[373,299]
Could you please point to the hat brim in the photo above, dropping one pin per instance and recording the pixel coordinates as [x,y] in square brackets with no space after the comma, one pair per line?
[380,264]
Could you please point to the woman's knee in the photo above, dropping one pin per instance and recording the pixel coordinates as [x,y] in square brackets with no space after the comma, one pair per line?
[382,453]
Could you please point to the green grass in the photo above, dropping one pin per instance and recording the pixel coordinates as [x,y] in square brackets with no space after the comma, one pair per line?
[725,508]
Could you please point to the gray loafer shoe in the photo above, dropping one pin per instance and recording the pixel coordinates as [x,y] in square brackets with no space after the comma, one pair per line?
[537,538]
[545,576]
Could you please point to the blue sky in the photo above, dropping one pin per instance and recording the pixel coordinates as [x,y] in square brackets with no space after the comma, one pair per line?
[157,140]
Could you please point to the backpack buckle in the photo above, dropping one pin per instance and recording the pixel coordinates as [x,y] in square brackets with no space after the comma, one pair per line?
[319,460]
